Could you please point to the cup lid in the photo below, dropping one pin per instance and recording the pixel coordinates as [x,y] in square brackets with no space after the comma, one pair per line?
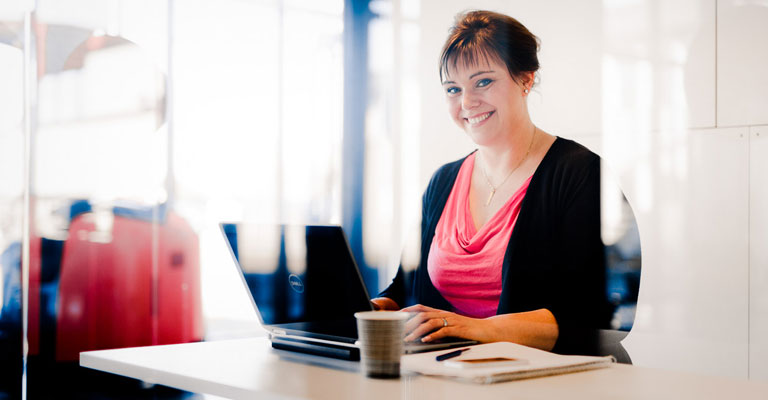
[382,315]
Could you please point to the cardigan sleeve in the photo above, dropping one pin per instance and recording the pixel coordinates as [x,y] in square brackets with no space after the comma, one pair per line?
[396,289]
[400,285]
[580,306]
[416,286]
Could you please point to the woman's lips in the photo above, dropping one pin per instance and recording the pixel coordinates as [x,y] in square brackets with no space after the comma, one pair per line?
[478,118]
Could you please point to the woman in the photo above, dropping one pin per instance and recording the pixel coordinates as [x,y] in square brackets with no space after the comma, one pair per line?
[511,247]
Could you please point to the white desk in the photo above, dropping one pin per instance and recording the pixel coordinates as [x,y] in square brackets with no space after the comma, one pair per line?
[250,368]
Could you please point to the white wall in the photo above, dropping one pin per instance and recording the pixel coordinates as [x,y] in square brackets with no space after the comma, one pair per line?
[672,94]
[758,253]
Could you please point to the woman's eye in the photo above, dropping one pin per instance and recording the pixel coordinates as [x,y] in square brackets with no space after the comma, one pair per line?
[484,82]
[452,90]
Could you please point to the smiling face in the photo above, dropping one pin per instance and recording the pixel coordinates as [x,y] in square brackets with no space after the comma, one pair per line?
[485,101]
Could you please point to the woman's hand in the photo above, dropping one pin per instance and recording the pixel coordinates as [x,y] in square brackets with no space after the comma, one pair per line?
[436,324]
[536,328]
[384,304]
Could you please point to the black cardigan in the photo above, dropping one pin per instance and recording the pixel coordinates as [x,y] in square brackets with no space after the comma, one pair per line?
[555,257]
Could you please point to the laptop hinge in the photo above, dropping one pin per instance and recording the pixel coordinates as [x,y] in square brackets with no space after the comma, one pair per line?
[316,348]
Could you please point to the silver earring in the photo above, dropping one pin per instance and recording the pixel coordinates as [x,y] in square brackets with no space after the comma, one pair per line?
[526,91]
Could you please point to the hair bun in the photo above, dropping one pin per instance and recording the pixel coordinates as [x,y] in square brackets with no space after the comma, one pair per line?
[474,20]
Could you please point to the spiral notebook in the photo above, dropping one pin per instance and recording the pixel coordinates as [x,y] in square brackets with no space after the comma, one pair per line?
[538,363]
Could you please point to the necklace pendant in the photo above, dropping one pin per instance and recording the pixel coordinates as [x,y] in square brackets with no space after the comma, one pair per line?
[490,196]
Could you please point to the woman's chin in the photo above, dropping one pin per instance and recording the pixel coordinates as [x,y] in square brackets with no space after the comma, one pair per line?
[480,137]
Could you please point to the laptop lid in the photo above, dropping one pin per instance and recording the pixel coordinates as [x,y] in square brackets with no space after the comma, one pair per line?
[302,279]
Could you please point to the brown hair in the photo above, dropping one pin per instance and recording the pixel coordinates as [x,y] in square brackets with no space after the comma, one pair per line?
[487,35]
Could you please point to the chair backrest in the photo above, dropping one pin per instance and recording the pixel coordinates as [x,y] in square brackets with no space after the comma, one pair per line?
[111,295]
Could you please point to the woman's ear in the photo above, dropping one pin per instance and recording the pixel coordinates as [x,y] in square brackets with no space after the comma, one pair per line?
[528,80]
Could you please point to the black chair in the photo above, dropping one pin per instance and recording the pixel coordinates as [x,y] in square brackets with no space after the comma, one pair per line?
[609,344]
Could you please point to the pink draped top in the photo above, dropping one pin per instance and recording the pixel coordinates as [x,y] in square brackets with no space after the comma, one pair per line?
[464,263]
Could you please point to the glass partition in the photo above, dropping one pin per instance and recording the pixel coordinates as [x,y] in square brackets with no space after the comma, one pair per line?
[111,262]
[12,162]
[623,260]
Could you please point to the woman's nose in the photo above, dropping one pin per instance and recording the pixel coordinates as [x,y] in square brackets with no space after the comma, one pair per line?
[469,101]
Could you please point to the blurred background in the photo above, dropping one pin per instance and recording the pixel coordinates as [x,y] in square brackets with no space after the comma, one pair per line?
[130,129]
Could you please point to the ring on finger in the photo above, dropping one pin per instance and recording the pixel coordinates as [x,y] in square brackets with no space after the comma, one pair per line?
[445,322]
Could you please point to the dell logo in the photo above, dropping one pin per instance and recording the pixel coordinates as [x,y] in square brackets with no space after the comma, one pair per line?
[296,284]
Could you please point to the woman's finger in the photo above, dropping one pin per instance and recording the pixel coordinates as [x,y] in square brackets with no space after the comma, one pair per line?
[420,318]
[415,322]
[440,333]
[419,308]
[424,329]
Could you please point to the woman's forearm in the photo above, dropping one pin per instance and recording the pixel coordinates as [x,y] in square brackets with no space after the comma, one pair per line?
[532,328]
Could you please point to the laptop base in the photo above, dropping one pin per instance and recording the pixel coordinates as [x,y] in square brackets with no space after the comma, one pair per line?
[314,348]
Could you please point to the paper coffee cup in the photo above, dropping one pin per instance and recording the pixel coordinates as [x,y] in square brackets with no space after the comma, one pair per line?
[380,335]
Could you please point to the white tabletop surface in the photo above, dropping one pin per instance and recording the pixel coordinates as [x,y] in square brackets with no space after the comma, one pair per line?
[250,368]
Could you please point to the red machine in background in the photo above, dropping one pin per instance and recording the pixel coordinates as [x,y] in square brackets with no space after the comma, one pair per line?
[135,285]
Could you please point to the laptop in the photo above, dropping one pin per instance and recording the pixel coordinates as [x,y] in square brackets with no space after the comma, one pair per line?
[305,287]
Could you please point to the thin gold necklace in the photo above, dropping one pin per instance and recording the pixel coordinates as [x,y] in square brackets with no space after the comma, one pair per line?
[488,180]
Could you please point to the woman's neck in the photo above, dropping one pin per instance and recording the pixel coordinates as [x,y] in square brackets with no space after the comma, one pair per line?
[499,159]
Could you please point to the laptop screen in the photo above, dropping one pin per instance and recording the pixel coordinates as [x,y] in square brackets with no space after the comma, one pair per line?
[297,273]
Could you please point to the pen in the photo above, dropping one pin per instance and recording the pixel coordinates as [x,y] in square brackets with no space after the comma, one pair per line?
[455,353]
